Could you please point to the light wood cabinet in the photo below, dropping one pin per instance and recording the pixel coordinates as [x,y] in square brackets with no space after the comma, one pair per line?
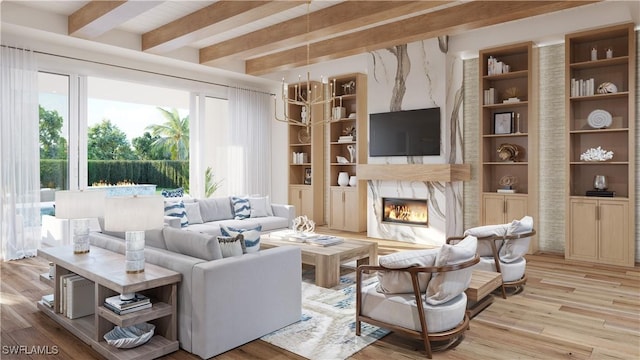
[348,204]
[345,209]
[306,172]
[301,197]
[601,229]
[508,116]
[596,227]
[501,209]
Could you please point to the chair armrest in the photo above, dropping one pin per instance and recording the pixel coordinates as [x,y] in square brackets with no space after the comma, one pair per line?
[172,221]
[285,211]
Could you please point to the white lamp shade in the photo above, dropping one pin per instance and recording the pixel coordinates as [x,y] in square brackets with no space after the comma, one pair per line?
[80,204]
[134,213]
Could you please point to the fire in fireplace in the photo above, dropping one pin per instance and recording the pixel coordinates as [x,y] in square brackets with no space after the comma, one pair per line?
[405,211]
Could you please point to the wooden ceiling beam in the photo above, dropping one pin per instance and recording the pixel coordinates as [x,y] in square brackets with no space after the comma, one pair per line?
[339,18]
[97,17]
[448,21]
[216,18]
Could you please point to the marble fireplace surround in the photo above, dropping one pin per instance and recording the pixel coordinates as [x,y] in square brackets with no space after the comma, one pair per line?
[436,182]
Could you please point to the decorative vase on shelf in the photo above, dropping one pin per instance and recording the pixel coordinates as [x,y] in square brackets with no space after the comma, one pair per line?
[343,178]
[353,181]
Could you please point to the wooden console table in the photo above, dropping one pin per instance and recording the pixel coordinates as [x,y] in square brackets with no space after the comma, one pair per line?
[106,269]
[483,283]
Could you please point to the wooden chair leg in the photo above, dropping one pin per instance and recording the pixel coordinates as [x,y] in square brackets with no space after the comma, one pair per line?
[504,291]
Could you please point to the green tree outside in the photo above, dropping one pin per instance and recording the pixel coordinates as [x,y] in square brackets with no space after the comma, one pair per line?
[107,142]
[52,144]
[173,135]
[145,149]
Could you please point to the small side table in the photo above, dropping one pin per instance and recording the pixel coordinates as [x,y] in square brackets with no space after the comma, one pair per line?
[483,283]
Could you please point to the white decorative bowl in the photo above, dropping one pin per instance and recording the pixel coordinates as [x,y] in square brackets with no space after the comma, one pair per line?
[131,336]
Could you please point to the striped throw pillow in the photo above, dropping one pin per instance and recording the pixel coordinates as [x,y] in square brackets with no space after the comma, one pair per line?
[178,210]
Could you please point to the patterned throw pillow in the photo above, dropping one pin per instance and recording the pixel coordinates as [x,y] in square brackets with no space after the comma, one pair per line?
[241,207]
[231,245]
[251,236]
[177,209]
[171,193]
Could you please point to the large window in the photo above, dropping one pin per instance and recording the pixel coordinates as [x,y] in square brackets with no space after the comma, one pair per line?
[54,133]
[137,134]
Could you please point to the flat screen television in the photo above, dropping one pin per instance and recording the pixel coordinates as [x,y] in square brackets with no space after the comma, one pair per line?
[405,133]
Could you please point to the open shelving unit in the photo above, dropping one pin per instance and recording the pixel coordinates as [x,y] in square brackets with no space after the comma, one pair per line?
[348,203]
[511,122]
[306,178]
[601,229]
[106,269]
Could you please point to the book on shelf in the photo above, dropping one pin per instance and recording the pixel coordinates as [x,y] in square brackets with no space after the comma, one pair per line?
[78,297]
[325,240]
[507,191]
[117,303]
[48,300]
[128,310]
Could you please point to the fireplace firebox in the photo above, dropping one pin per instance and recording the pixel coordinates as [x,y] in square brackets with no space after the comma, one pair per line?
[405,211]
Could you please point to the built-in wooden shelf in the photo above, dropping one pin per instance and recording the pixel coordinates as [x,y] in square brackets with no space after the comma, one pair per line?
[415,172]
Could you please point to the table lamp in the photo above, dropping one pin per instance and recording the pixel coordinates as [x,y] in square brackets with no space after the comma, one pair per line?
[134,215]
[79,206]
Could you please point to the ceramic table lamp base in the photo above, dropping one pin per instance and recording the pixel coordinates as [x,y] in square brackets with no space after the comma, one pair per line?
[80,236]
[135,252]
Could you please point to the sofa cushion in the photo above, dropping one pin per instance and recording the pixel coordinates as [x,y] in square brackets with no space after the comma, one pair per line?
[231,245]
[270,222]
[241,207]
[172,193]
[214,209]
[514,249]
[395,282]
[251,236]
[193,213]
[447,285]
[191,243]
[260,206]
[176,209]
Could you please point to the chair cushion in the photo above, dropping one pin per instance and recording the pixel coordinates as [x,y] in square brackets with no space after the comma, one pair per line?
[484,247]
[514,249]
[447,285]
[394,282]
[401,310]
[510,271]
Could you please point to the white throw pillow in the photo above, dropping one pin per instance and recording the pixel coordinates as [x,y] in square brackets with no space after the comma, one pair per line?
[514,249]
[396,282]
[259,207]
[193,213]
[231,245]
[447,285]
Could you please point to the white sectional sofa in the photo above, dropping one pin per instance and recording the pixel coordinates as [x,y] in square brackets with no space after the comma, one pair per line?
[206,215]
[222,302]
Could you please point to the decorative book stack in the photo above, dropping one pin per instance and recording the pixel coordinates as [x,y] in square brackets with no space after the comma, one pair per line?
[122,307]
[76,296]
[325,240]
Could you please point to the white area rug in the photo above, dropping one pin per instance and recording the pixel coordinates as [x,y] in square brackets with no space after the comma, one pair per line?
[326,330]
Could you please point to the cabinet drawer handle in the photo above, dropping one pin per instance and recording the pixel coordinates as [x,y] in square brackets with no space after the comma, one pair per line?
[504,207]
[598,213]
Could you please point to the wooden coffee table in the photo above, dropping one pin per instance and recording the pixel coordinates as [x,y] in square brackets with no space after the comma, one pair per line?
[327,259]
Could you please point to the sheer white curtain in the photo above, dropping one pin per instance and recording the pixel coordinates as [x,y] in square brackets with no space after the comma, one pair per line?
[20,154]
[249,151]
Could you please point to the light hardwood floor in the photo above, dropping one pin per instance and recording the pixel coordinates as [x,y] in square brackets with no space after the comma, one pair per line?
[568,310]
